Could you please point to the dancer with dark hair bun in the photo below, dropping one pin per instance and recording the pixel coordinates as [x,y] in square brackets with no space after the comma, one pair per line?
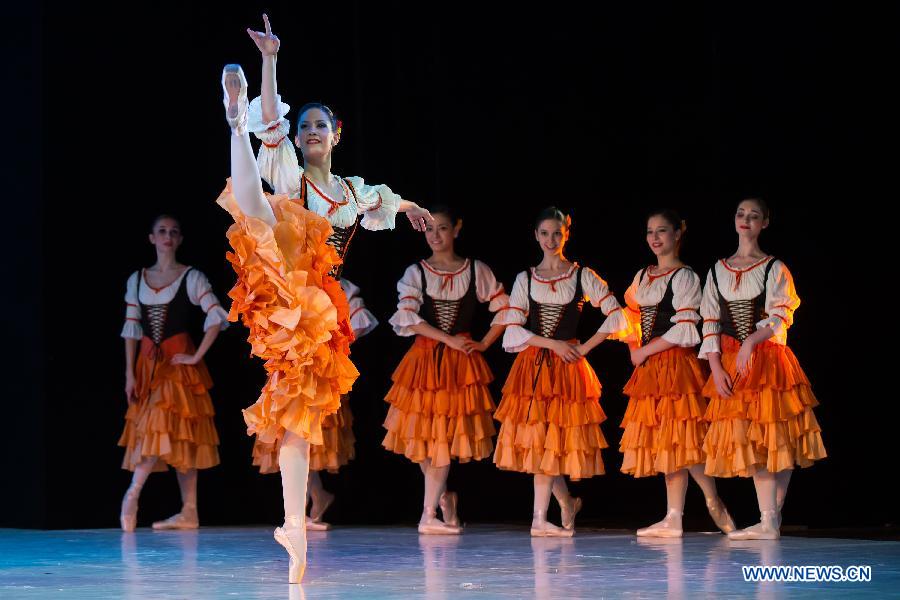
[550,412]
[664,426]
[169,422]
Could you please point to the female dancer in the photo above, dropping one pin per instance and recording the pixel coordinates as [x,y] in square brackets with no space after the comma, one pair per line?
[170,414]
[663,423]
[760,402]
[288,259]
[550,412]
[440,403]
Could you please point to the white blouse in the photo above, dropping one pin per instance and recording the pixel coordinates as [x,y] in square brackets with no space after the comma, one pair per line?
[745,284]
[361,320]
[561,290]
[446,285]
[199,293]
[686,294]
[279,167]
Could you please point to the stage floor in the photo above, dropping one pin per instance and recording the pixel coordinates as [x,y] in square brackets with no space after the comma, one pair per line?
[395,562]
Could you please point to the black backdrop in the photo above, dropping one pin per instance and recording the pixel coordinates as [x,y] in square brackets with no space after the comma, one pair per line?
[606,111]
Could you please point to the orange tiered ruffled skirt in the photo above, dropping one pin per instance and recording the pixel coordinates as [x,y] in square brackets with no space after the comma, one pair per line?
[336,450]
[298,319]
[440,405]
[664,426]
[550,417]
[768,422]
[173,417]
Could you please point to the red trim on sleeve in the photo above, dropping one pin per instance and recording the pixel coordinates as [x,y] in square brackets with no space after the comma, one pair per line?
[132,319]
[783,306]
[200,299]
[500,293]
[710,320]
[275,126]
[780,317]
[685,321]
[409,298]
[613,310]
[357,310]
[377,206]
[276,144]
[212,307]
[684,310]
[410,310]
[604,298]
[710,335]
[512,308]
[130,304]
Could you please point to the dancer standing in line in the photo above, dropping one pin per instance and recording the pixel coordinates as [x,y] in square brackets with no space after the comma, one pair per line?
[550,412]
[288,251]
[664,426]
[440,403]
[760,410]
[170,414]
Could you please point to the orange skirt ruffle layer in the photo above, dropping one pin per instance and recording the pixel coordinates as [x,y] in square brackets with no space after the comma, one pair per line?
[173,417]
[297,315]
[440,405]
[664,426]
[550,417]
[768,422]
[336,450]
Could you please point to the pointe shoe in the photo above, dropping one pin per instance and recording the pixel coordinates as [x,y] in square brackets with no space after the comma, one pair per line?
[186,519]
[128,514]
[540,527]
[766,529]
[720,515]
[669,527]
[317,525]
[429,524]
[569,510]
[234,86]
[317,511]
[292,536]
[448,503]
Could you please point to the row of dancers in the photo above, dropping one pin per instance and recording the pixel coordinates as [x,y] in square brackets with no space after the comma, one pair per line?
[752,416]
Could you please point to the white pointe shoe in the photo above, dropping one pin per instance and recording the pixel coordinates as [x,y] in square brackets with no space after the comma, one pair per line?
[318,509]
[448,503]
[429,524]
[234,85]
[720,515]
[669,527]
[317,525]
[293,537]
[569,510]
[540,527]
[186,519]
[766,529]
[128,514]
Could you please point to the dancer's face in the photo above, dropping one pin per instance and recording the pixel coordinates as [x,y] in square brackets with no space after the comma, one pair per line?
[441,233]
[166,235]
[552,236]
[661,236]
[749,220]
[315,137]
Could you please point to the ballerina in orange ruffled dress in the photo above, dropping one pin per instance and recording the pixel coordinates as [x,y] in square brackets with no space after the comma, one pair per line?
[288,252]
[170,414]
[550,412]
[760,413]
[664,426]
[440,402]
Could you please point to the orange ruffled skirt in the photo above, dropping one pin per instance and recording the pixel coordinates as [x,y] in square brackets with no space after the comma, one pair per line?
[550,417]
[336,450]
[664,426]
[440,405]
[768,422]
[173,417]
[298,319]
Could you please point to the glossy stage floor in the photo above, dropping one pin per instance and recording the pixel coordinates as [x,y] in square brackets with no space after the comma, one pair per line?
[395,562]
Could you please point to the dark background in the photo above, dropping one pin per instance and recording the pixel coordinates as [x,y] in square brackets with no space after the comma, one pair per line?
[606,111]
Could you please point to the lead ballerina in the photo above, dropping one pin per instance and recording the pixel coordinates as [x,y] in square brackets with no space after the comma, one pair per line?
[288,251]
